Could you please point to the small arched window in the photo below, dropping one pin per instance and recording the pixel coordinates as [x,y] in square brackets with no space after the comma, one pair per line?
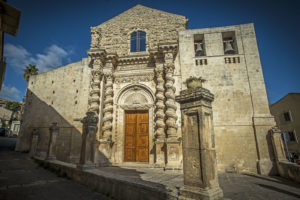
[138,41]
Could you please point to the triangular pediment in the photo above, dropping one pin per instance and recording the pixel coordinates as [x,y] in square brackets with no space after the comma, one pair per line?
[143,12]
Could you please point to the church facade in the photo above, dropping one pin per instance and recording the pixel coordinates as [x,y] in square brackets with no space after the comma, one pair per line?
[137,64]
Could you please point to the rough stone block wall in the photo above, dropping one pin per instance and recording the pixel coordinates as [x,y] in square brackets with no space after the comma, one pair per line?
[59,96]
[160,27]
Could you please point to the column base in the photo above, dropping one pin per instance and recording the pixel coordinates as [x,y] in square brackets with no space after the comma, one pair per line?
[190,192]
[104,153]
[266,167]
[160,152]
[173,161]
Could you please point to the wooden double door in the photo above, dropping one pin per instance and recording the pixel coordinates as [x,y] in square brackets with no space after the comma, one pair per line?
[136,148]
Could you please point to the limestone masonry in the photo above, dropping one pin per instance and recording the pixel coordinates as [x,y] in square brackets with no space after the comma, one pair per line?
[138,62]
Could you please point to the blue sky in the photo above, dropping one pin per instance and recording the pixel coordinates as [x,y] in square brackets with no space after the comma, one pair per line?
[54,33]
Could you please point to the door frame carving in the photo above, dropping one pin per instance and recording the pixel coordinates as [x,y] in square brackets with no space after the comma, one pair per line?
[119,116]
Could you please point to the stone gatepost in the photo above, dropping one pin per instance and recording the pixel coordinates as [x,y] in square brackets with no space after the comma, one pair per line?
[199,154]
[51,153]
[90,144]
[278,147]
[34,142]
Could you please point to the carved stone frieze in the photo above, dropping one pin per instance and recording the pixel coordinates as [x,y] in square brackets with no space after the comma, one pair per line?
[136,106]
[131,78]
[95,37]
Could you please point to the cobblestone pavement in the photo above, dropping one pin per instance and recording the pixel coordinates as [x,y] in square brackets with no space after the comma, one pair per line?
[22,179]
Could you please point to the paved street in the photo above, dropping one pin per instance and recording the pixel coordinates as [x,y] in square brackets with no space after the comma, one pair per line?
[22,179]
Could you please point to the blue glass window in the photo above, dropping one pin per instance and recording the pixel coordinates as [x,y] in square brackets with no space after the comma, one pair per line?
[138,41]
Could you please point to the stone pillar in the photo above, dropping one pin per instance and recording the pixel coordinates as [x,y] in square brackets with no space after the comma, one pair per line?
[34,142]
[160,117]
[199,155]
[277,144]
[106,141]
[170,95]
[90,144]
[94,98]
[108,106]
[54,130]
[172,145]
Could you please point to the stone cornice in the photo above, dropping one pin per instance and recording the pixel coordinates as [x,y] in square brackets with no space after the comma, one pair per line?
[136,59]
[167,47]
[189,95]
[95,52]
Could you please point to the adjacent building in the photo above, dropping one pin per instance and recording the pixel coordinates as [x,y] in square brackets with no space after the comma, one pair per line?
[137,63]
[287,115]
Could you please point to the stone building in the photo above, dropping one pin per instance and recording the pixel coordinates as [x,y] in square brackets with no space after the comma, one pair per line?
[137,63]
[287,115]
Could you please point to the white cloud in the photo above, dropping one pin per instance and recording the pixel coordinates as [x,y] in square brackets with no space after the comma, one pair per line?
[10,92]
[18,57]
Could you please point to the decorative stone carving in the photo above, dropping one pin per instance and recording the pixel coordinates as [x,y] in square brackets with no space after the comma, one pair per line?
[194,82]
[108,106]
[97,73]
[134,78]
[170,95]
[89,147]
[160,106]
[95,37]
[54,130]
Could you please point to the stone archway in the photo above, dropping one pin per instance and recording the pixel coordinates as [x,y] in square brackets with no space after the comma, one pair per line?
[136,97]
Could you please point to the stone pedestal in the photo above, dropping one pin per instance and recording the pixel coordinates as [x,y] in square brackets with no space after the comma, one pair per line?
[105,151]
[199,155]
[89,147]
[51,154]
[160,154]
[172,154]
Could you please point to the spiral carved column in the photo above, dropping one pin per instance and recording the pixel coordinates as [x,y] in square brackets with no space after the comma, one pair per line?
[94,99]
[160,106]
[108,106]
[170,95]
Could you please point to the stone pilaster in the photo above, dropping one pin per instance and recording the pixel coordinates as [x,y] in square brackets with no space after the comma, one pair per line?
[34,142]
[199,155]
[90,145]
[53,130]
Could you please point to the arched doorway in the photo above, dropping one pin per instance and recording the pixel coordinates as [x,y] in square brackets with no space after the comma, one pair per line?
[135,124]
